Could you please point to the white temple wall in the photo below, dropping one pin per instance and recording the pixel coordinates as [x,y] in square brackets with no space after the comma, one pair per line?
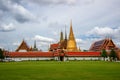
[30,58]
[52,58]
[82,58]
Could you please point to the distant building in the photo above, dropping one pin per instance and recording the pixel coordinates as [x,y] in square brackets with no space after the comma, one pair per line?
[106,44]
[23,47]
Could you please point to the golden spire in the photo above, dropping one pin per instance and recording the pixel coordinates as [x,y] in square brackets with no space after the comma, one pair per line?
[71,35]
[71,44]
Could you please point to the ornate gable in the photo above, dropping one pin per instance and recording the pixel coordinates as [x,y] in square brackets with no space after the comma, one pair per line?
[110,44]
[23,47]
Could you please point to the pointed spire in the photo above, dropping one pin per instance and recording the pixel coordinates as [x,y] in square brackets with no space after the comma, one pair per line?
[35,48]
[65,33]
[61,36]
[71,35]
[35,44]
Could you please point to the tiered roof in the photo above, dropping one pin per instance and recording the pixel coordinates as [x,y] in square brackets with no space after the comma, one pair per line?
[23,46]
[103,44]
[54,46]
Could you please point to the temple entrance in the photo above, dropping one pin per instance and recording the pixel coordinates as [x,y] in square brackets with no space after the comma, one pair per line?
[61,58]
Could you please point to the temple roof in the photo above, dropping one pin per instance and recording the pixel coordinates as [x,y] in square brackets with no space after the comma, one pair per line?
[29,54]
[51,54]
[84,54]
[54,46]
[23,46]
[103,44]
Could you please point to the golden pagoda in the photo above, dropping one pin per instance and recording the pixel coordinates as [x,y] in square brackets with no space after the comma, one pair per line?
[71,43]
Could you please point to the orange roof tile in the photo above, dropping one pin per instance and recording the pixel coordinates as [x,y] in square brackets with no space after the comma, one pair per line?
[50,54]
[29,54]
[83,54]
[54,46]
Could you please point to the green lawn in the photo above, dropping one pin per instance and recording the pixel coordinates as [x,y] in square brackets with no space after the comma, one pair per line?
[54,70]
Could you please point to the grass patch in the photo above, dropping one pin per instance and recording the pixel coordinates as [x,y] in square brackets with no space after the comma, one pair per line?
[53,70]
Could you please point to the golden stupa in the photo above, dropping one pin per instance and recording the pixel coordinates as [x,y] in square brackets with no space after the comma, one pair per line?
[71,43]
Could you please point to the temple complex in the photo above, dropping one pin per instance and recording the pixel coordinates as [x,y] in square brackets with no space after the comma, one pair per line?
[65,49]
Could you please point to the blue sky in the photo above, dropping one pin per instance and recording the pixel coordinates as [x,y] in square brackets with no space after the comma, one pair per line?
[42,20]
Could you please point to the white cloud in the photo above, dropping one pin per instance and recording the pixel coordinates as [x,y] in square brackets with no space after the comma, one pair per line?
[105,32]
[43,39]
[5,28]
[80,41]
[43,42]
[16,43]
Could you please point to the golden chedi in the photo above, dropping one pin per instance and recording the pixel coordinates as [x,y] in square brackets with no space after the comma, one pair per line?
[71,43]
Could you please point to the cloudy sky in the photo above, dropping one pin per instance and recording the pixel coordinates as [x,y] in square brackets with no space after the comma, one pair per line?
[42,20]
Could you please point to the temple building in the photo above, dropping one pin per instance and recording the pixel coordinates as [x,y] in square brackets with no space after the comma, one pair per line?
[106,44]
[23,47]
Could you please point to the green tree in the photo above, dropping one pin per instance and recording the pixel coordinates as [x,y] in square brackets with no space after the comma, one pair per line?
[104,54]
[1,55]
[113,55]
